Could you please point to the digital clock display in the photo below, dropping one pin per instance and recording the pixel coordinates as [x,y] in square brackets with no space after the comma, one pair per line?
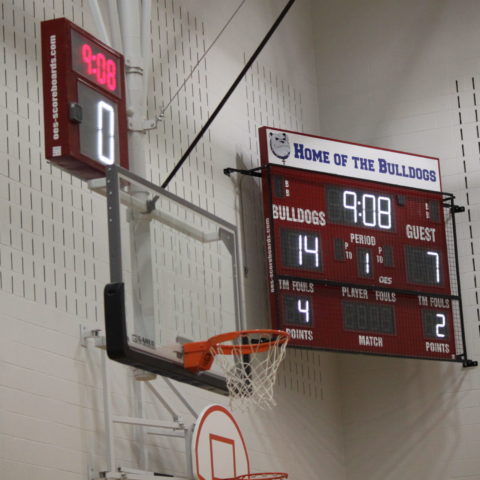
[84,101]
[95,63]
[363,209]
[354,264]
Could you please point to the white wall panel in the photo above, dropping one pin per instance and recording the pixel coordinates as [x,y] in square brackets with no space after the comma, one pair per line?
[403,75]
[54,256]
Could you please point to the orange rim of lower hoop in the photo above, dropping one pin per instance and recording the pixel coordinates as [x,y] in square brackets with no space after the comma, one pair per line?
[261,476]
[199,356]
[217,344]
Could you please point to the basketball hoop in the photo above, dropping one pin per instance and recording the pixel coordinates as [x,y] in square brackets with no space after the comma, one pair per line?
[249,360]
[261,476]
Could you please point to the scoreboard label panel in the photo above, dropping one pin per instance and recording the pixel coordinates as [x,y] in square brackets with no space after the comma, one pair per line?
[318,154]
[355,264]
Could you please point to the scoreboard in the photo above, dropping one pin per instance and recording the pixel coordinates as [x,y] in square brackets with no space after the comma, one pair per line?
[360,257]
[85,117]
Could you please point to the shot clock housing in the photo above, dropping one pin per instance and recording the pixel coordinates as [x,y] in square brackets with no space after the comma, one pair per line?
[85,120]
[358,264]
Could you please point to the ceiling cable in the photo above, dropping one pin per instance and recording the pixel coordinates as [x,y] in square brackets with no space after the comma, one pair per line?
[228,94]
[160,116]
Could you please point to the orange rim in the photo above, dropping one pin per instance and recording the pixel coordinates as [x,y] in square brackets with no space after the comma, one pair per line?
[262,476]
[217,347]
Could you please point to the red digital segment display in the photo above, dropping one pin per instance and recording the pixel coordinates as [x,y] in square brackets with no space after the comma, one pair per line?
[84,101]
[96,63]
[357,265]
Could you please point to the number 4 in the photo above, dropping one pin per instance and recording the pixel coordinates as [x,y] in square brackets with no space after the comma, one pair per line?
[305,310]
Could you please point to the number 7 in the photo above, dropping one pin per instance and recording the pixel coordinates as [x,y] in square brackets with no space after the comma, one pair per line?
[437,265]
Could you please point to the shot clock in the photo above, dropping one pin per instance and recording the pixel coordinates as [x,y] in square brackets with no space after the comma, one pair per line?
[356,264]
[84,101]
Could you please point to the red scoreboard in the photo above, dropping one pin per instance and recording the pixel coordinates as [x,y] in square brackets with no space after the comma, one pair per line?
[360,257]
[84,101]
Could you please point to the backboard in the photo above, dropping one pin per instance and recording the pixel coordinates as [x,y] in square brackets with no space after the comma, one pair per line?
[218,447]
[173,270]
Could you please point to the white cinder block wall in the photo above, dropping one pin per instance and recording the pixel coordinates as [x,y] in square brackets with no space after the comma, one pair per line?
[400,75]
[54,255]
[405,75]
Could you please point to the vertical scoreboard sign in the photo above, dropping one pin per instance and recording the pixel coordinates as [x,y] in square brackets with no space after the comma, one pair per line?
[359,256]
[84,101]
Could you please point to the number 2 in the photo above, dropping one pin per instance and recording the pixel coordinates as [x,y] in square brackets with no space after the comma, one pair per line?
[441,324]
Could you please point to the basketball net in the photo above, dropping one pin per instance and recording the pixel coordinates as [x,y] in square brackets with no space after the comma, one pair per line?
[250,377]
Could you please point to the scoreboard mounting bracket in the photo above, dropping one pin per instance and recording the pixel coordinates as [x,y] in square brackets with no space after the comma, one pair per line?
[361,248]
[457,209]
[253,172]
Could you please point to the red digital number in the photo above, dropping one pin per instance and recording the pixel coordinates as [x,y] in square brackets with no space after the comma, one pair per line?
[104,70]
[87,57]
[111,75]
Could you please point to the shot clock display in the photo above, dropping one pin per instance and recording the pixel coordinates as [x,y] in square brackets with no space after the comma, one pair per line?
[360,266]
[84,101]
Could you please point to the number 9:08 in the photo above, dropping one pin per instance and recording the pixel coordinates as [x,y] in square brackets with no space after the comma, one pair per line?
[104,69]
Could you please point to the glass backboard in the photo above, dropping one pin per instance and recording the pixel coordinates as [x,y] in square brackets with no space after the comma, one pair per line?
[173,269]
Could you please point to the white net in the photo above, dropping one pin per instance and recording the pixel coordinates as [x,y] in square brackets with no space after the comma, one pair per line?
[251,376]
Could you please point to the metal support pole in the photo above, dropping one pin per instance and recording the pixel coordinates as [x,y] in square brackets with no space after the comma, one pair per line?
[107,405]
[180,396]
[130,24]
[99,23]
[140,234]
[113,17]
[138,433]
[130,30]
[188,450]
[146,52]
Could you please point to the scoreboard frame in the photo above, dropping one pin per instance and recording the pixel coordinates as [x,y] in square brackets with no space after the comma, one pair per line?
[84,101]
[326,237]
